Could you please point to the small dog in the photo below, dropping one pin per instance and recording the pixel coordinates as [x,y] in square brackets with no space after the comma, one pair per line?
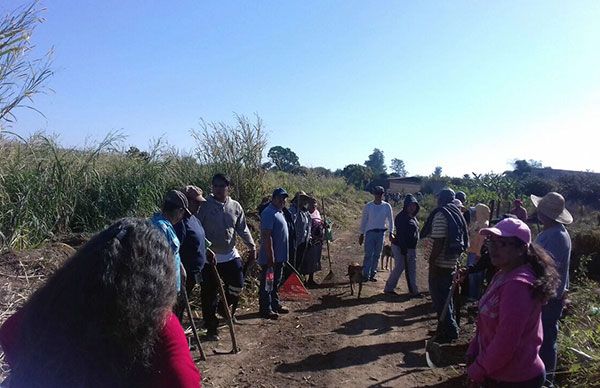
[386,255]
[355,274]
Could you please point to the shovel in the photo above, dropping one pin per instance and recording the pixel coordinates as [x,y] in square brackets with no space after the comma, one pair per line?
[234,347]
[330,277]
[433,351]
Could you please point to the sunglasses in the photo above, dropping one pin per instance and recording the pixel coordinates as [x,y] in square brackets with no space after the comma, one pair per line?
[499,243]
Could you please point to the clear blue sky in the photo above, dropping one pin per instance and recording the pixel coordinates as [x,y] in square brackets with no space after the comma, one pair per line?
[464,85]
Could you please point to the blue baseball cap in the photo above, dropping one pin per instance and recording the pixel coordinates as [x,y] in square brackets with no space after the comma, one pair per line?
[280,192]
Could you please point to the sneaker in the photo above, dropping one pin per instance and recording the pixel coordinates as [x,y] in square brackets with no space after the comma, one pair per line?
[269,315]
[393,293]
[282,310]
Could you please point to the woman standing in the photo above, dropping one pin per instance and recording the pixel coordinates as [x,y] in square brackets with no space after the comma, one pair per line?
[504,352]
[104,319]
[312,258]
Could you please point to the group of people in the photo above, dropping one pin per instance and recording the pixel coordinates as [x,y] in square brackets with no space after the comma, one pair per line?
[111,315]
[525,280]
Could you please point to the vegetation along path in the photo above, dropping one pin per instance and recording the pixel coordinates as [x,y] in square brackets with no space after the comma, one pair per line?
[336,339]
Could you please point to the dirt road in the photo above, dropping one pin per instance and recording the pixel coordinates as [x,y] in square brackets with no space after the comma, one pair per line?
[336,339]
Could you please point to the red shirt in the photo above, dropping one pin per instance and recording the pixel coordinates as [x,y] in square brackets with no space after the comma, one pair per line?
[172,365]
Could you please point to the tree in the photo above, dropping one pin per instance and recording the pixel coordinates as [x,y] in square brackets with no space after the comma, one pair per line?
[284,159]
[357,175]
[399,167]
[523,167]
[437,172]
[376,162]
[21,77]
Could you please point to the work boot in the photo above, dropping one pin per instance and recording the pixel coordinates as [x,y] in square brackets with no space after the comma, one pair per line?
[269,315]
[211,335]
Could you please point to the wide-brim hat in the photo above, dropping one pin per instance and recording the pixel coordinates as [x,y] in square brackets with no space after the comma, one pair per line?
[552,205]
[300,195]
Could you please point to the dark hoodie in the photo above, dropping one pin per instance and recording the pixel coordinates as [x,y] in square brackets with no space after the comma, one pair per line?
[407,227]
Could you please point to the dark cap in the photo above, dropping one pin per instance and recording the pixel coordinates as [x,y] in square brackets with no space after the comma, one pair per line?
[177,199]
[461,196]
[280,192]
[446,196]
[378,190]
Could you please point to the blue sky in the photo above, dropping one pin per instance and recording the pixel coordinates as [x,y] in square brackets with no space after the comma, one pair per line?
[468,86]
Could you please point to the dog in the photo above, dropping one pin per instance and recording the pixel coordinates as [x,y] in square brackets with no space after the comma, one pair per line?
[355,274]
[386,255]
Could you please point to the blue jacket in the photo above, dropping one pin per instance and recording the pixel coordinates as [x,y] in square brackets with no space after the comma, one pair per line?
[193,244]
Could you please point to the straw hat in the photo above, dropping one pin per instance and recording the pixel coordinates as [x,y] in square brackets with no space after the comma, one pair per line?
[552,205]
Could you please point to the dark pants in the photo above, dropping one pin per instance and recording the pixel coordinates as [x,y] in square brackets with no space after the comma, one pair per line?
[536,382]
[296,262]
[269,301]
[440,280]
[232,274]
[551,313]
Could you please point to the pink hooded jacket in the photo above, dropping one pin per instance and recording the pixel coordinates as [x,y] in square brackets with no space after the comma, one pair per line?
[509,330]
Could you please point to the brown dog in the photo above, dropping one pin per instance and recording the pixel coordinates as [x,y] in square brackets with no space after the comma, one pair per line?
[355,275]
[387,256]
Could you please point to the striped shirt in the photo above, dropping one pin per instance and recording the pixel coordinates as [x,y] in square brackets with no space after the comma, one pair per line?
[439,230]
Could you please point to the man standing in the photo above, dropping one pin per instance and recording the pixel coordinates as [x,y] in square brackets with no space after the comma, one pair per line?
[192,238]
[555,239]
[519,211]
[447,229]
[377,217]
[274,251]
[173,209]
[404,247]
[223,218]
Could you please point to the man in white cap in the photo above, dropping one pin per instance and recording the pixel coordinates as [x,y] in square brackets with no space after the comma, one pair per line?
[555,239]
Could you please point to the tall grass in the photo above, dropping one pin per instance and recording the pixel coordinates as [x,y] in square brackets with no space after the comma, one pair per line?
[48,191]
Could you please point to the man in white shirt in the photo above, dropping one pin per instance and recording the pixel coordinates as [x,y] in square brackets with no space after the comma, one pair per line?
[377,218]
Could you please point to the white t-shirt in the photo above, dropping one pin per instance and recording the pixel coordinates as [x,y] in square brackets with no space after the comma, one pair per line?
[377,217]
[225,257]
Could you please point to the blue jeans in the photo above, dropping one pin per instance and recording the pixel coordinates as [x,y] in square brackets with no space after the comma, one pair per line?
[440,281]
[402,262]
[475,279]
[373,248]
[269,301]
[551,313]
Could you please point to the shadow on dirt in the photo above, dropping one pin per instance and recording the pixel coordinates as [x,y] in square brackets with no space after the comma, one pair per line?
[458,381]
[357,355]
[343,299]
[383,323]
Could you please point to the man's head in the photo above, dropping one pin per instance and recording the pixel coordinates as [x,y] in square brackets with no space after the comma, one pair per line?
[461,196]
[378,192]
[445,196]
[194,197]
[279,198]
[220,187]
[175,206]
[411,205]
[551,209]
[300,199]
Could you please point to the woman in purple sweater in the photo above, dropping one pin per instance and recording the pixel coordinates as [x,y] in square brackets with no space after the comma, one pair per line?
[504,352]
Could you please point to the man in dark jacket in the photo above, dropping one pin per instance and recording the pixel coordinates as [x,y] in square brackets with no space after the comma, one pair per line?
[193,242]
[404,247]
[447,229]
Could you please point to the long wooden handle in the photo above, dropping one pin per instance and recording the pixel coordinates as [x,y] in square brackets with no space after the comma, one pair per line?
[226,305]
[194,331]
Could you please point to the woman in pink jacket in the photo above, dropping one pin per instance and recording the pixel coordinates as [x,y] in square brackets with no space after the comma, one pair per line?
[504,352]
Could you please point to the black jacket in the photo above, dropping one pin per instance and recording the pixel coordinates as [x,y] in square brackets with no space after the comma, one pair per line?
[407,227]
[458,235]
[193,244]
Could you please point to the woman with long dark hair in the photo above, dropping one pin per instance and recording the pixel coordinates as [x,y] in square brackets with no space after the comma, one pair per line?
[104,319]
[505,350]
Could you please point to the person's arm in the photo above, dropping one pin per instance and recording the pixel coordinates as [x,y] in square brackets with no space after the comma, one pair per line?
[390,221]
[517,305]
[266,240]
[175,365]
[243,231]
[363,223]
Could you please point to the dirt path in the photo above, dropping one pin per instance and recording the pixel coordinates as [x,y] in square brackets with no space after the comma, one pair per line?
[336,339]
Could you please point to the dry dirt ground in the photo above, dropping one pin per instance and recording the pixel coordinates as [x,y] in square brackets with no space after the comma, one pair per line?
[336,339]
